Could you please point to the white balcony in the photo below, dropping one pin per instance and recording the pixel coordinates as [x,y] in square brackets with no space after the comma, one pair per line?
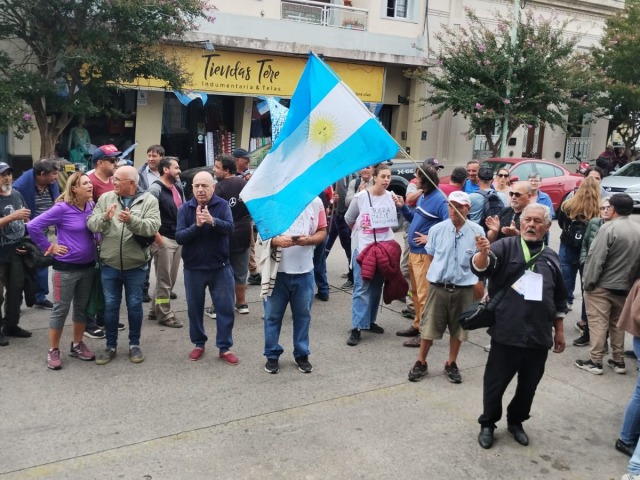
[325,14]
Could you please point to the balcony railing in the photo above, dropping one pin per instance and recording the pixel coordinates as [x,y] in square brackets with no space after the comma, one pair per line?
[325,14]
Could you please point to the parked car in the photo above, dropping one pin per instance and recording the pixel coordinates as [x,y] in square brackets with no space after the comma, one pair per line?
[625,180]
[557,181]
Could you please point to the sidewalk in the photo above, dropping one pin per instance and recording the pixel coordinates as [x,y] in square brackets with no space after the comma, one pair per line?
[355,416]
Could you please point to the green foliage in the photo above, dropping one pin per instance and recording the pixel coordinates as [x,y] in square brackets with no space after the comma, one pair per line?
[480,75]
[617,59]
[63,57]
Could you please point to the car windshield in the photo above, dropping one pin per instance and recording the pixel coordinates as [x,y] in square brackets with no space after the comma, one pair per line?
[629,170]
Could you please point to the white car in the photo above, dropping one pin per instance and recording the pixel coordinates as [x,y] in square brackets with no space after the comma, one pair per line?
[625,180]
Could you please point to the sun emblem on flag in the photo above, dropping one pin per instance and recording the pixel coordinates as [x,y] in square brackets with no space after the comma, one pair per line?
[323,130]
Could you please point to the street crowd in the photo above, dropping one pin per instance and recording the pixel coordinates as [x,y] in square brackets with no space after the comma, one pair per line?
[479,236]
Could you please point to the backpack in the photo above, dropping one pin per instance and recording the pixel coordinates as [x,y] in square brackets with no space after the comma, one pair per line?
[573,233]
[492,205]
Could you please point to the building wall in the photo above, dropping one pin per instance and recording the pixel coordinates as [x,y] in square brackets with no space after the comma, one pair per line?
[148,123]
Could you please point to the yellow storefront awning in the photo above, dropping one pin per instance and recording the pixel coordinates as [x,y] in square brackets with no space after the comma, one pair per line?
[239,73]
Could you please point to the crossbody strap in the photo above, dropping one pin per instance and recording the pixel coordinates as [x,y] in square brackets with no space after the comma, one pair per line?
[375,240]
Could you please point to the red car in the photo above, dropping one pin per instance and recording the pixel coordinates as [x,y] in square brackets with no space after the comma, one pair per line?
[557,181]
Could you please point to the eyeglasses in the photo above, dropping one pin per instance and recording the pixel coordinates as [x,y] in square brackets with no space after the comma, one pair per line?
[605,208]
[534,180]
[503,175]
[515,194]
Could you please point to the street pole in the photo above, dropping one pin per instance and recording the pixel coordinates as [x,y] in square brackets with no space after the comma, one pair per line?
[514,36]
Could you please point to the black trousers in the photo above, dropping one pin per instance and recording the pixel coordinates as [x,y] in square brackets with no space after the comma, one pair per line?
[502,365]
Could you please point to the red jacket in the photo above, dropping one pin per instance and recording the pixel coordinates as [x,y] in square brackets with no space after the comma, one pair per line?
[384,258]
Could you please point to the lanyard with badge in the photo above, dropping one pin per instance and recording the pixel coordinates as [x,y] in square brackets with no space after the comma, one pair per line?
[530,284]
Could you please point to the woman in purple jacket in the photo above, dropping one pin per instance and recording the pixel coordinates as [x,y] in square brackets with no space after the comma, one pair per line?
[73,263]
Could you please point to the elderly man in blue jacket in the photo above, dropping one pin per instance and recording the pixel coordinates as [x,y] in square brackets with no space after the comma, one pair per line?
[203,229]
[39,188]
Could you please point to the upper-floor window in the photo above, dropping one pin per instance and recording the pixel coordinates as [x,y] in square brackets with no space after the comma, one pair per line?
[397,8]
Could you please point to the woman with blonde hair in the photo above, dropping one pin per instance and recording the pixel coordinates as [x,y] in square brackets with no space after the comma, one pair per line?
[73,263]
[573,216]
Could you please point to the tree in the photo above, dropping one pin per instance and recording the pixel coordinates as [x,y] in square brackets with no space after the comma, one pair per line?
[64,57]
[481,76]
[617,59]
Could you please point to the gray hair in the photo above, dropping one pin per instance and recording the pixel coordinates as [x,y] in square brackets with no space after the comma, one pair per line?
[537,206]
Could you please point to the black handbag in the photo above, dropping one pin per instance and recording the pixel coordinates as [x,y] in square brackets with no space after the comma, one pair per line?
[482,314]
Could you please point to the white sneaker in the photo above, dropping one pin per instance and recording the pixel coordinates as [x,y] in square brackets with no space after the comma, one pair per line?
[631,476]
[487,348]
[211,311]
[242,308]
[589,366]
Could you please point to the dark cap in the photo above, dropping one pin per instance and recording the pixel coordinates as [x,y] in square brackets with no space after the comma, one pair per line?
[240,153]
[433,163]
[105,151]
[485,174]
[4,167]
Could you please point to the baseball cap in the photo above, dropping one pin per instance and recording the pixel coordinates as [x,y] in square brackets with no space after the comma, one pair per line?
[105,151]
[460,197]
[240,153]
[485,173]
[4,167]
[432,162]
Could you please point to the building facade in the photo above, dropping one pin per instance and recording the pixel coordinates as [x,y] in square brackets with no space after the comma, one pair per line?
[257,49]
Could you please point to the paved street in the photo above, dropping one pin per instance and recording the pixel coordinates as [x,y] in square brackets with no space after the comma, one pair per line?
[355,416]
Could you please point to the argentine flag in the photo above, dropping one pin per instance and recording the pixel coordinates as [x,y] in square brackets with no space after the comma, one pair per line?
[328,134]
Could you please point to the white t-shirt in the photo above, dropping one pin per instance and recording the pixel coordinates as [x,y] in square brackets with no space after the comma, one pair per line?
[299,259]
[380,215]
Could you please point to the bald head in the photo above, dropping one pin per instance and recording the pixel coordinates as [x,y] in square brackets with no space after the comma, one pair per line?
[203,187]
[125,181]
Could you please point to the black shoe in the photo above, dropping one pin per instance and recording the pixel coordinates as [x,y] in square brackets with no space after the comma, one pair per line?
[255,279]
[519,434]
[145,297]
[324,298]
[16,331]
[452,372]
[582,340]
[485,437]
[94,333]
[303,364]
[272,365]
[624,448]
[121,326]
[354,337]
[348,284]
[173,296]
[408,313]
[45,304]
[375,328]
[418,371]
[4,341]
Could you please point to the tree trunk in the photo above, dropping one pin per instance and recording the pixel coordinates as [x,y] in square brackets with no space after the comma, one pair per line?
[50,128]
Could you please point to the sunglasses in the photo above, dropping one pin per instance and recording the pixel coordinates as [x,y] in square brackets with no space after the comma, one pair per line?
[515,194]
[503,175]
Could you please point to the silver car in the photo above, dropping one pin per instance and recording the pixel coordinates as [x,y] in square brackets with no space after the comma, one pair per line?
[625,180]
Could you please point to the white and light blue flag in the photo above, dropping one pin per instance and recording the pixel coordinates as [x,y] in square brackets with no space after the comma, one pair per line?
[328,134]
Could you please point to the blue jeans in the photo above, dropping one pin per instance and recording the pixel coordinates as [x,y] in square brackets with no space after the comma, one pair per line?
[320,268]
[222,291]
[570,264]
[297,291]
[630,431]
[112,282]
[42,284]
[366,297]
